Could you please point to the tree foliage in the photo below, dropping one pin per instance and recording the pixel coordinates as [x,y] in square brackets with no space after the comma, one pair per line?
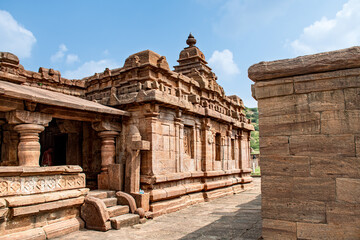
[253,115]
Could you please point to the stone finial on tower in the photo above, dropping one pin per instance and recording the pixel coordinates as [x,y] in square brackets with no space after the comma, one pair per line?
[191,41]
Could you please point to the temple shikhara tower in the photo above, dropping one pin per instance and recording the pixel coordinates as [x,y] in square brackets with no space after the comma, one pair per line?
[110,149]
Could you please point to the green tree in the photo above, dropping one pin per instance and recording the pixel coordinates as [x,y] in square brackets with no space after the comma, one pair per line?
[253,115]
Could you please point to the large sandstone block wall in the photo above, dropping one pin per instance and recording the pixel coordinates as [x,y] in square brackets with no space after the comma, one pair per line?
[309,120]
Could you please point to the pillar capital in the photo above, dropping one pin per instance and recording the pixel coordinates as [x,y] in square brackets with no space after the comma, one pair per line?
[29,146]
[26,117]
[106,126]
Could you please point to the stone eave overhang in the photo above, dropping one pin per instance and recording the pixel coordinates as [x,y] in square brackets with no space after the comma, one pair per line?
[46,97]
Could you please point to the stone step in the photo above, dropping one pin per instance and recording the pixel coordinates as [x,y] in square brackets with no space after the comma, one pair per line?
[101,194]
[110,202]
[125,220]
[117,210]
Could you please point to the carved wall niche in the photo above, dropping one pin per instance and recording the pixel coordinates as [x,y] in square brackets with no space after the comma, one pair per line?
[189,141]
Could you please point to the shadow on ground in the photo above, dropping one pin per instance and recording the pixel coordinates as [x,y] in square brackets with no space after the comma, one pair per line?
[242,224]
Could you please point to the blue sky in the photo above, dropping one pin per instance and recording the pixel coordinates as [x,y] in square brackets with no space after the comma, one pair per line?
[82,37]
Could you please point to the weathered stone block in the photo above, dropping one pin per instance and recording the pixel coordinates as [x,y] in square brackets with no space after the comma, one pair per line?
[340,122]
[278,229]
[32,234]
[293,210]
[63,227]
[290,124]
[352,98]
[327,231]
[269,91]
[142,200]
[275,106]
[357,145]
[348,190]
[313,188]
[322,62]
[326,84]
[322,145]
[157,194]
[115,176]
[277,186]
[343,213]
[277,145]
[297,166]
[326,101]
[334,167]
[2,203]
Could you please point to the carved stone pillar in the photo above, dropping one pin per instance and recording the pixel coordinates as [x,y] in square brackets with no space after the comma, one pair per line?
[30,124]
[110,176]
[29,146]
[107,148]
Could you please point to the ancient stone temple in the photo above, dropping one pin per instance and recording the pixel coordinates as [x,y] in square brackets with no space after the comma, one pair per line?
[106,150]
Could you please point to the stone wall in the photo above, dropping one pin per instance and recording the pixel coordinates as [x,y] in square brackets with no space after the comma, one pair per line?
[309,120]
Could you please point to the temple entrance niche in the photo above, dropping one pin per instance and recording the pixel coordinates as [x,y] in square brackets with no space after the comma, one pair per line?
[61,143]
[53,146]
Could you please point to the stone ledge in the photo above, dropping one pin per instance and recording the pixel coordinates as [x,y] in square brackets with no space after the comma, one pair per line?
[321,62]
[19,201]
[35,171]
[43,207]
[49,231]
[183,189]
[181,176]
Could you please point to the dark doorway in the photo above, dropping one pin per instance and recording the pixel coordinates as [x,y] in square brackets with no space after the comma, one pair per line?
[60,141]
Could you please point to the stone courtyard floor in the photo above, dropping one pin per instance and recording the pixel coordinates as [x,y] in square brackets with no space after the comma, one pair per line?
[232,217]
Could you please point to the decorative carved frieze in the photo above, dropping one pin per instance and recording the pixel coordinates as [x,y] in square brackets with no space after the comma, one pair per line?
[19,185]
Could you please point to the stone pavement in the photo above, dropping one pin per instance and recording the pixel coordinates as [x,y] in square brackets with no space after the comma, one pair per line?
[232,217]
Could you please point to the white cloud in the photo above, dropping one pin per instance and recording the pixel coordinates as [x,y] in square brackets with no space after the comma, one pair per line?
[59,55]
[89,68]
[14,37]
[72,58]
[223,63]
[342,31]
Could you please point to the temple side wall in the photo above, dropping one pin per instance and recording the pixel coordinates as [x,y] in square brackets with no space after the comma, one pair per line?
[182,166]
[309,121]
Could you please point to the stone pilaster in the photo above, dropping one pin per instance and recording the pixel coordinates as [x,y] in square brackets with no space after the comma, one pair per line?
[207,146]
[132,170]
[197,145]
[179,144]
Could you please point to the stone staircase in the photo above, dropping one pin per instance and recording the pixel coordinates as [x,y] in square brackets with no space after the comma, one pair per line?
[119,215]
